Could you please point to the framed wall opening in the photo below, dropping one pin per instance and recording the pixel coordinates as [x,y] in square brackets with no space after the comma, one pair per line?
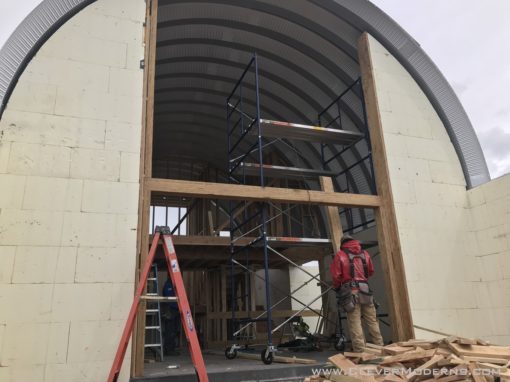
[187,163]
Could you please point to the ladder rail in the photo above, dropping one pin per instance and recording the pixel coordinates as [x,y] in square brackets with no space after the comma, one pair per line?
[182,301]
[152,297]
[184,308]
[128,328]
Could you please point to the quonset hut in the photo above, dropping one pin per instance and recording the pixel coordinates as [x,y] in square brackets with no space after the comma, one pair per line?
[117,116]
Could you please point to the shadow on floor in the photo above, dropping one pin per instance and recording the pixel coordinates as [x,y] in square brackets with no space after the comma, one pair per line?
[221,369]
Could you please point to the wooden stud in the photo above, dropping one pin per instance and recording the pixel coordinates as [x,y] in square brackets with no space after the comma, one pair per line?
[335,235]
[139,334]
[150,67]
[138,339]
[253,295]
[211,222]
[387,230]
[207,307]
[333,216]
[223,303]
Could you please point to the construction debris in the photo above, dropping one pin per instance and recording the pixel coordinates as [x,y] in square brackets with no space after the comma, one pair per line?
[451,359]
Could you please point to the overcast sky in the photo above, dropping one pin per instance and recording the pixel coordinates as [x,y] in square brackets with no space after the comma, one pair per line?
[467,39]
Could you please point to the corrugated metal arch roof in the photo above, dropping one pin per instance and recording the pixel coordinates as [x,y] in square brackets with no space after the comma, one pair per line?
[299,30]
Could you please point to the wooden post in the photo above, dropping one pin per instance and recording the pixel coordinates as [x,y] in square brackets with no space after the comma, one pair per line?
[208,337]
[334,224]
[387,231]
[335,235]
[224,303]
[138,338]
[253,297]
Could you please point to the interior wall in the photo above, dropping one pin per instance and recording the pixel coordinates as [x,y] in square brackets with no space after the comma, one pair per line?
[435,222]
[308,293]
[69,173]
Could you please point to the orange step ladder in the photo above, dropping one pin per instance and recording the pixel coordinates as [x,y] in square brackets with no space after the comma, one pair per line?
[182,301]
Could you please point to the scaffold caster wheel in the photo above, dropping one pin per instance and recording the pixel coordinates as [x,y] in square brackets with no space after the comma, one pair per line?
[230,352]
[266,356]
[340,344]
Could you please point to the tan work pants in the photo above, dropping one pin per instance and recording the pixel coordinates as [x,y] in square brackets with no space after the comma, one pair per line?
[356,330]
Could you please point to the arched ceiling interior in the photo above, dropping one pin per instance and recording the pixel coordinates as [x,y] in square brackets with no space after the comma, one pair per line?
[203,48]
[304,63]
[307,55]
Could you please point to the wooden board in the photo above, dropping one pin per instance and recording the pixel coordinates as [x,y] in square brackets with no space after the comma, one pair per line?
[480,351]
[373,351]
[427,365]
[385,216]
[335,231]
[374,346]
[276,358]
[341,362]
[395,349]
[392,378]
[150,31]
[333,216]
[498,361]
[409,356]
[242,192]
[476,376]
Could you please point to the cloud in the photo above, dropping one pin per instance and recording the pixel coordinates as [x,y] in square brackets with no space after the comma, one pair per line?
[460,88]
[496,146]
[466,42]
[12,13]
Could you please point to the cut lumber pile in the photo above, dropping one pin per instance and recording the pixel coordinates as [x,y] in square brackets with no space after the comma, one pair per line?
[451,359]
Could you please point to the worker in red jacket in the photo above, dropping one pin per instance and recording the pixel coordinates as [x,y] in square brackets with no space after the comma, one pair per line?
[350,271]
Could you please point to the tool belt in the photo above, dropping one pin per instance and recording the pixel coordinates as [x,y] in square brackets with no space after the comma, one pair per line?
[347,300]
[365,295]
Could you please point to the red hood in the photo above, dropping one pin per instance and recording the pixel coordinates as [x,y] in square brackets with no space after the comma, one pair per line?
[352,246]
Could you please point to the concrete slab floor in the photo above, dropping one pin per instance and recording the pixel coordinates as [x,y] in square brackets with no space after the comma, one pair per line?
[239,370]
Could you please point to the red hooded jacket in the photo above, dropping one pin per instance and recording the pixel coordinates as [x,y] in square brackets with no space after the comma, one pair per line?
[341,268]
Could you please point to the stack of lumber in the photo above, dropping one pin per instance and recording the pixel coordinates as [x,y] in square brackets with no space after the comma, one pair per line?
[450,359]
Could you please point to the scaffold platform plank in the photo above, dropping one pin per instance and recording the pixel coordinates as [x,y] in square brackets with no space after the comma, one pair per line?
[281,172]
[297,241]
[277,129]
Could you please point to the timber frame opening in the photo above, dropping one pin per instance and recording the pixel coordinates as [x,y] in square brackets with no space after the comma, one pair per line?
[382,203]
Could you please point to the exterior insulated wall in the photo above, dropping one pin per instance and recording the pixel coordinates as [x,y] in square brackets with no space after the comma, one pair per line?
[490,225]
[446,244]
[69,175]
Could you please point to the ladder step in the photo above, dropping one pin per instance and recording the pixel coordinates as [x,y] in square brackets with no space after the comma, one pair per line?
[152,279]
[156,297]
[183,305]
[277,129]
[253,169]
[153,327]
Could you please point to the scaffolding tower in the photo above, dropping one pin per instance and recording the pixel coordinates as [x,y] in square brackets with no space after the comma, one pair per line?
[248,138]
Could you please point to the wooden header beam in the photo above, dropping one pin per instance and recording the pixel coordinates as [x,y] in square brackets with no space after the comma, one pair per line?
[278,195]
